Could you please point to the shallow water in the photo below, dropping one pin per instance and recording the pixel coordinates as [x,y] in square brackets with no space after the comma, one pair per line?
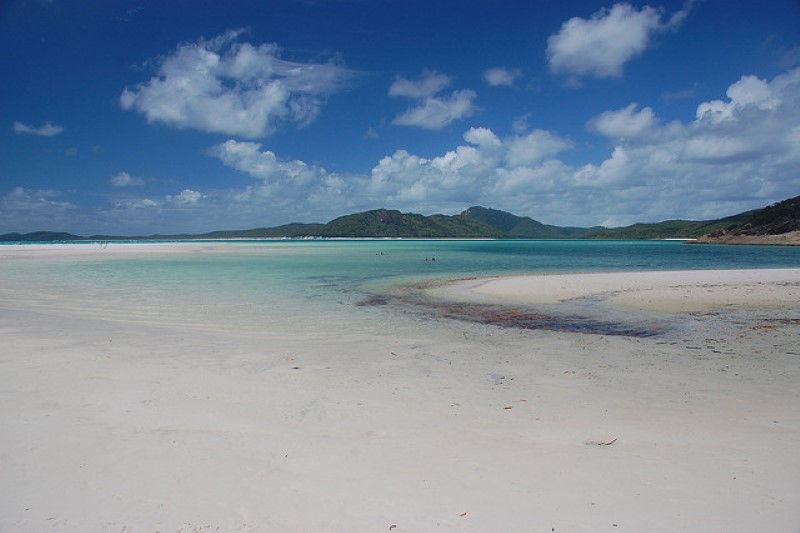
[317,285]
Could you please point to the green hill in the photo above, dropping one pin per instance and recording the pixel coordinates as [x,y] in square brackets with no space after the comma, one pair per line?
[475,222]
[40,236]
[392,223]
[483,222]
[670,228]
[781,217]
[514,226]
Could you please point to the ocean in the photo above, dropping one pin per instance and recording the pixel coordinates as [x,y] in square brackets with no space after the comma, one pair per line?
[318,285]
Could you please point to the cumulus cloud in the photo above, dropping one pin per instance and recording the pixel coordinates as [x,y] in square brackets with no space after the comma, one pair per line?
[431,112]
[734,152]
[748,91]
[400,180]
[739,152]
[475,172]
[601,45]
[482,137]
[286,184]
[220,85]
[535,146]
[624,123]
[48,129]
[265,165]
[497,76]
[123,179]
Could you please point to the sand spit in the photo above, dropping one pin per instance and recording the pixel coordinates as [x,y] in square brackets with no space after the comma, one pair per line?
[113,249]
[673,291]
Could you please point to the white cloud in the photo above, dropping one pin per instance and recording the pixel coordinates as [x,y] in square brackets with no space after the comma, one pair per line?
[401,179]
[283,181]
[248,157]
[123,179]
[748,91]
[614,170]
[185,197]
[430,83]
[435,113]
[715,147]
[701,168]
[48,129]
[624,123]
[222,86]
[501,76]
[698,169]
[736,151]
[601,45]
[431,112]
[136,203]
[482,137]
[404,178]
[535,146]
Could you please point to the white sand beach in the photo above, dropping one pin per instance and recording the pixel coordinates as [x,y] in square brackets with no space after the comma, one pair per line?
[676,291]
[430,424]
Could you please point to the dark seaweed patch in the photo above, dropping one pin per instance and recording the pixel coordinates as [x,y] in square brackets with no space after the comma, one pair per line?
[509,317]
[373,300]
[524,319]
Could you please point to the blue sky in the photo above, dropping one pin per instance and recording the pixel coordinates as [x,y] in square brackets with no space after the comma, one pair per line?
[141,117]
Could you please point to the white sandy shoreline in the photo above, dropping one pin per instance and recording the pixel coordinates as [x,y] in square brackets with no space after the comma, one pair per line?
[426,424]
[671,290]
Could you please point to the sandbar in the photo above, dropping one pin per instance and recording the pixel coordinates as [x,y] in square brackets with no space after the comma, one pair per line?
[673,291]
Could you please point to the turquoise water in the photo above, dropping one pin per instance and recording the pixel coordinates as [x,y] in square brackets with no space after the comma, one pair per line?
[272,283]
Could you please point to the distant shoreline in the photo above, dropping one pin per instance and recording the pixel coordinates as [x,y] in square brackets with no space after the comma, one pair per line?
[792,239]
[774,240]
